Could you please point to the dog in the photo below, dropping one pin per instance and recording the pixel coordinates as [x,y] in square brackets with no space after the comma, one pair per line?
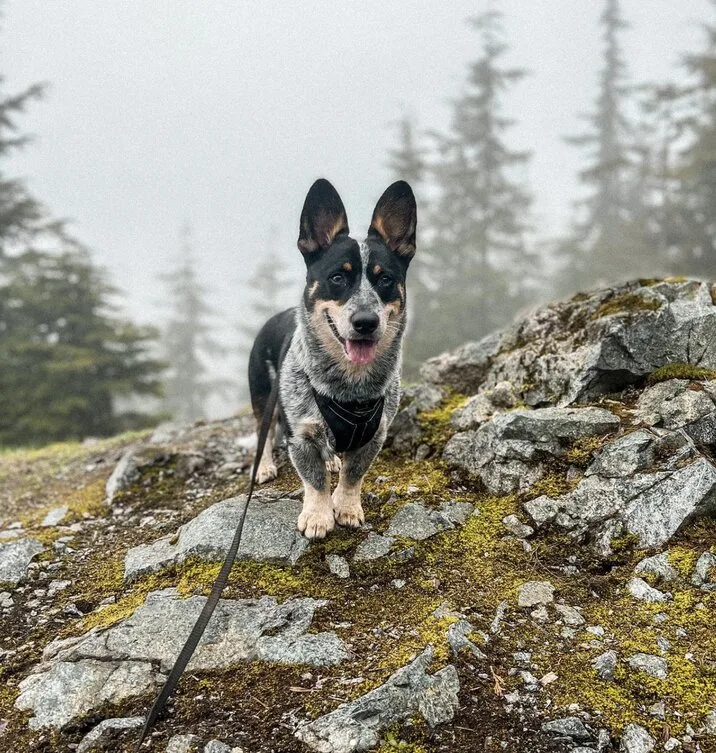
[337,355]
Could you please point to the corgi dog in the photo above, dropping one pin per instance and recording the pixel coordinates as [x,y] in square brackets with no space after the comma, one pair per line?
[337,355]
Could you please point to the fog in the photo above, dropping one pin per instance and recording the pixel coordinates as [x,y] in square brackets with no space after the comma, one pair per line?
[221,114]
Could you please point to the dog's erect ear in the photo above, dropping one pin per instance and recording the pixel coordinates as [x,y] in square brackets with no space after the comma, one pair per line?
[395,219]
[322,219]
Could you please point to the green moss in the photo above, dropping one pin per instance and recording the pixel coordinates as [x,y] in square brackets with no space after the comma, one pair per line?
[392,743]
[582,452]
[553,484]
[681,371]
[436,423]
[625,304]
[683,559]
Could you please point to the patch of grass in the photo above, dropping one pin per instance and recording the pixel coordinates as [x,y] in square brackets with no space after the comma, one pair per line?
[681,371]
[625,304]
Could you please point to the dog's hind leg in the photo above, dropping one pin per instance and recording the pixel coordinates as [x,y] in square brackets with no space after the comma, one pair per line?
[307,448]
[347,508]
[267,468]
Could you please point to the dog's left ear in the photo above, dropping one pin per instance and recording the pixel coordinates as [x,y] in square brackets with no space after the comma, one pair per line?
[395,219]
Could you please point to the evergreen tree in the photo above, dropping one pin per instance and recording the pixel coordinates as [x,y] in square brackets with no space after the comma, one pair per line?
[187,340]
[608,240]
[694,235]
[481,265]
[407,161]
[66,358]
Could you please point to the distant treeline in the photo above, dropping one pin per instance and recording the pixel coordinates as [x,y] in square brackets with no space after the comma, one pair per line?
[71,367]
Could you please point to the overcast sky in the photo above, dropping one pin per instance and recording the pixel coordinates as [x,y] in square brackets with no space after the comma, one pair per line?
[223,112]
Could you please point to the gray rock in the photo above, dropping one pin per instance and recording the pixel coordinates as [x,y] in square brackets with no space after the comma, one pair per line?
[269,535]
[79,674]
[675,405]
[535,592]
[106,734]
[373,547]
[652,665]
[641,590]
[705,572]
[214,746]
[636,739]
[570,616]
[54,517]
[15,558]
[415,521]
[480,408]
[571,726]
[710,723]
[625,455]
[405,433]
[504,453]
[575,350]
[357,726]
[657,565]
[338,566]
[184,744]
[605,664]
[125,473]
[652,506]
[457,638]
[516,527]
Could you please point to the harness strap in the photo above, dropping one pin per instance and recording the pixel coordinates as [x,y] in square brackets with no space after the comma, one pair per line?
[198,630]
[353,424]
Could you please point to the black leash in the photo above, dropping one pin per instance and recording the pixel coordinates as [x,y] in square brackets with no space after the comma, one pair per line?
[198,630]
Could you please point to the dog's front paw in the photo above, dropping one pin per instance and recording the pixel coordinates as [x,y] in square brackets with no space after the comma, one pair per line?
[266,472]
[347,510]
[315,524]
[333,466]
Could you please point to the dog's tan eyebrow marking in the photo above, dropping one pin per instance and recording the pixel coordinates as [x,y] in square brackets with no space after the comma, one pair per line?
[377,269]
[348,266]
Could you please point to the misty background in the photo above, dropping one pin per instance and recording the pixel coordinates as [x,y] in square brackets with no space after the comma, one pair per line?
[188,133]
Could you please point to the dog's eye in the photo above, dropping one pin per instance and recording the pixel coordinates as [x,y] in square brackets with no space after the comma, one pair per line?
[338,279]
[385,281]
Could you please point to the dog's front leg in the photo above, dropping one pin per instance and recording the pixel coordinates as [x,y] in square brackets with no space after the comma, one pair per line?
[347,507]
[308,458]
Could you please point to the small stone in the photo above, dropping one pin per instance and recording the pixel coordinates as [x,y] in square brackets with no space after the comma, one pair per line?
[457,638]
[445,611]
[535,592]
[54,517]
[214,746]
[570,726]
[542,510]
[548,679]
[6,600]
[373,547]
[658,710]
[659,566]
[15,559]
[605,664]
[663,644]
[516,527]
[569,615]
[641,590]
[183,744]
[496,624]
[338,566]
[540,614]
[56,586]
[672,744]
[108,731]
[636,739]
[705,572]
[652,665]
[710,723]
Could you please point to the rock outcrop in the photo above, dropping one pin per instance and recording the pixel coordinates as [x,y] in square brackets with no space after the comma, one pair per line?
[537,571]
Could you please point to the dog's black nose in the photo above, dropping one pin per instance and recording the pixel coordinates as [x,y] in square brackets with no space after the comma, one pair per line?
[365,322]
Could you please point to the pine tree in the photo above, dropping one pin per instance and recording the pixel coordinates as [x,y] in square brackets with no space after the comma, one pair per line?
[187,340]
[608,240]
[66,358]
[407,161]
[478,223]
[694,235]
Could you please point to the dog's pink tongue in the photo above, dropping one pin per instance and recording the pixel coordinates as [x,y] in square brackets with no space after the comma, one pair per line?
[361,351]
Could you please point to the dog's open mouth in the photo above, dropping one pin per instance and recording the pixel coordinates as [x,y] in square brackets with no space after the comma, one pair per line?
[360,352]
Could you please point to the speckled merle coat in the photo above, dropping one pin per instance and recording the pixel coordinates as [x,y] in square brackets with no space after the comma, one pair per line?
[343,343]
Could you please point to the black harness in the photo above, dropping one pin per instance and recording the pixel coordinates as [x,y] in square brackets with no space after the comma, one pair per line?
[353,423]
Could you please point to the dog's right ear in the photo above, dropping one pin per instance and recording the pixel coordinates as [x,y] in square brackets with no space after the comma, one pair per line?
[322,219]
